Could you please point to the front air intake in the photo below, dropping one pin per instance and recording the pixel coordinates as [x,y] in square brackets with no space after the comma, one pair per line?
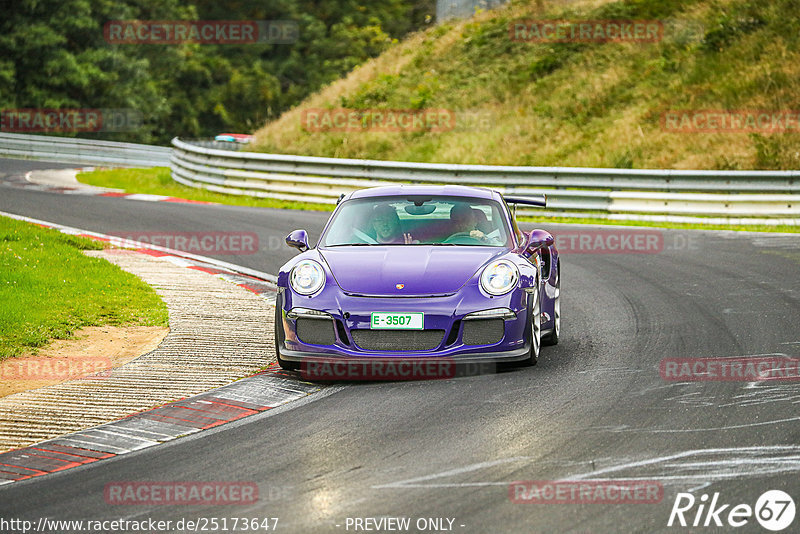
[315,331]
[483,331]
[398,340]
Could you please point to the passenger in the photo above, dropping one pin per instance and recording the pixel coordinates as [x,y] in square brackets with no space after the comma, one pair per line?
[387,226]
[481,221]
[463,221]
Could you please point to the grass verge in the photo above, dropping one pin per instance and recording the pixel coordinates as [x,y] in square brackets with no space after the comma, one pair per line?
[49,289]
[158,181]
[573,104]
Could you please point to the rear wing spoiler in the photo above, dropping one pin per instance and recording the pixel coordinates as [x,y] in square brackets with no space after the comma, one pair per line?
[533,200]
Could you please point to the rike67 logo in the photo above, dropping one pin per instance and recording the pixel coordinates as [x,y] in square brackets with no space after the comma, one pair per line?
[774,510]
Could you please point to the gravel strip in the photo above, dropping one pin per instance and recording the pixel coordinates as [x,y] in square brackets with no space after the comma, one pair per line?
[219,332]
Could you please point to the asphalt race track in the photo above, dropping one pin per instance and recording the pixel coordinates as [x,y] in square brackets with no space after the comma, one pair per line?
[595,407]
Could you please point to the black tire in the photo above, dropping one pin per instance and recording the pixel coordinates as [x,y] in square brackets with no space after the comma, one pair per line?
[535,329]
[280,336]
[552,338]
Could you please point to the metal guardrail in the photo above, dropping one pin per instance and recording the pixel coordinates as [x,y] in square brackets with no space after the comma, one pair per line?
[746,197]
[82,151]
[219,145]
[742,197]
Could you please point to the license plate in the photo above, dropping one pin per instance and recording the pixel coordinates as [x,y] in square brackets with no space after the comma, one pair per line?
[397,321]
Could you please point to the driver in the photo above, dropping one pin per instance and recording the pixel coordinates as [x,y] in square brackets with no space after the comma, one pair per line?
[462,219]
[386,223]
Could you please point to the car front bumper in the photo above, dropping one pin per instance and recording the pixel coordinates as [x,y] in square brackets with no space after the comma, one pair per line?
[335,326]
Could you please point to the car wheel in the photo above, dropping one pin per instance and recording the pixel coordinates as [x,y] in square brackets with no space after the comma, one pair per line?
[552,337]
[280,336]
[535,327]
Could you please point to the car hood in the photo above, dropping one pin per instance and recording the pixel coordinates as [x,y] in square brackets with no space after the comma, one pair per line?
[421,270]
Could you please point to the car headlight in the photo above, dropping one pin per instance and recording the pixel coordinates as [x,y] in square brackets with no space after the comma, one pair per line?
[307,277]
[499,277]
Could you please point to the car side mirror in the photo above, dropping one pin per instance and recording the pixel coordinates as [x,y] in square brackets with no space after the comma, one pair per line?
[298,239]
[538,239]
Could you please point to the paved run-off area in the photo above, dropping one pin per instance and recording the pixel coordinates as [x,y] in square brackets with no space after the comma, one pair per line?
[219,332]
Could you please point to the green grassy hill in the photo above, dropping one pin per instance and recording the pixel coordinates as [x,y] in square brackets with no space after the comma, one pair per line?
[575,104]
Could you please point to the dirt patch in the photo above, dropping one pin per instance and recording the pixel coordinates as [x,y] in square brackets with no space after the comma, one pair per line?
[91,354]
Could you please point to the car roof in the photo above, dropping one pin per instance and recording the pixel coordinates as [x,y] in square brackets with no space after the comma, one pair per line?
[433,190]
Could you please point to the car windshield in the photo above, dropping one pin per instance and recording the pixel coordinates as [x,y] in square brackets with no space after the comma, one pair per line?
[417,221]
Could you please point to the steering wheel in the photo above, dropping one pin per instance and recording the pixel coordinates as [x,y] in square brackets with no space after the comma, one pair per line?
[459,239]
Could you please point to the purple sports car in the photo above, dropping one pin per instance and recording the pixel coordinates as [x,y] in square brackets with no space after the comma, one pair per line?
[414,272]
